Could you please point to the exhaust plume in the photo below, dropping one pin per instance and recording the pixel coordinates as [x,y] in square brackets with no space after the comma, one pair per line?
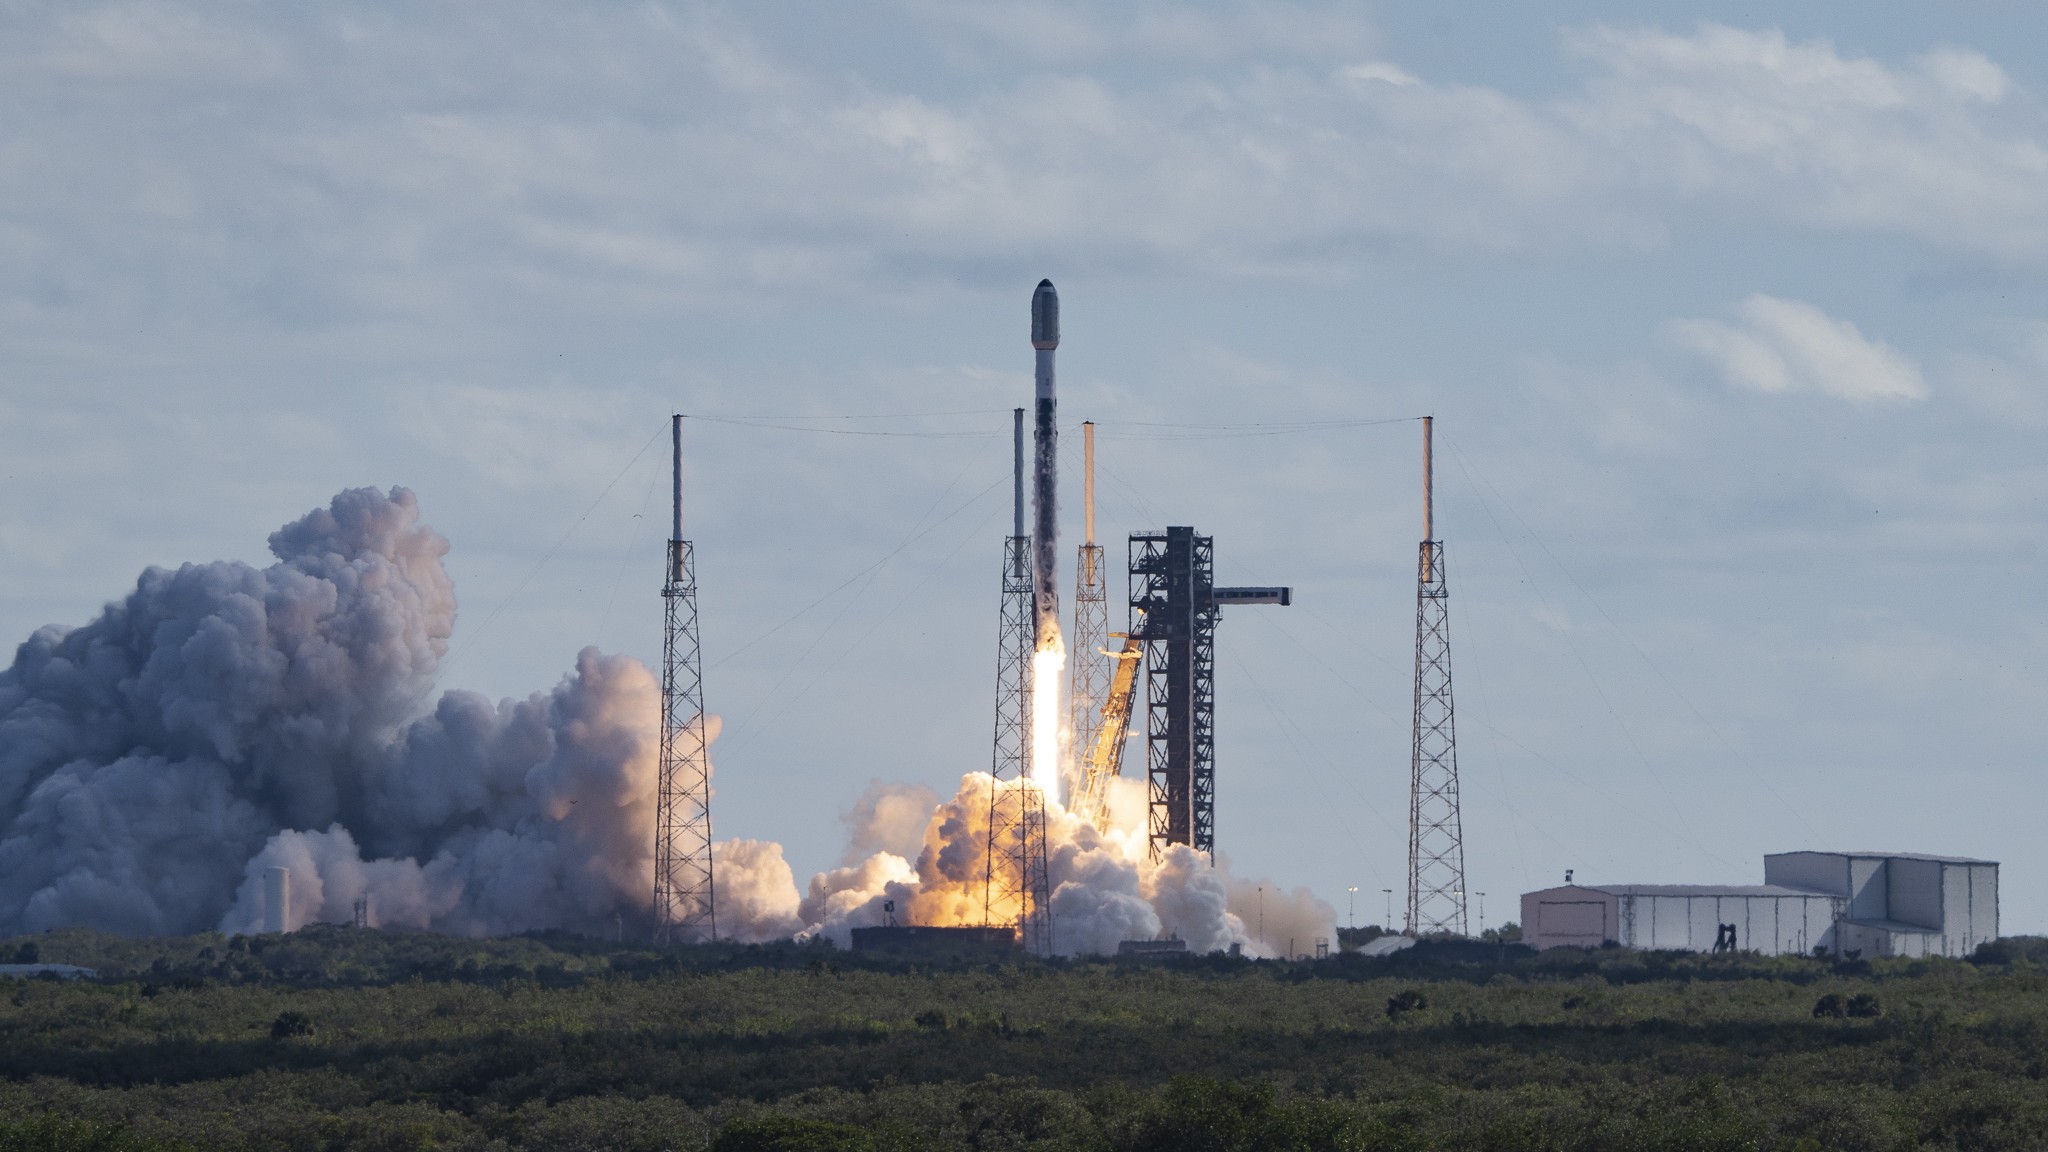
[221,720]
[1104,889]
[888,818]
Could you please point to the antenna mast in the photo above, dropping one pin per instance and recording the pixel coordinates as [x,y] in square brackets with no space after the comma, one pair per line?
[1436,837]
[683,904]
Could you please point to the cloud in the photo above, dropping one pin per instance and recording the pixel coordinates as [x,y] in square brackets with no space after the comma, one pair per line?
[1382,72]
[1789,346]
[1799,132]
[659,156]
[2010,386]
[1231,31]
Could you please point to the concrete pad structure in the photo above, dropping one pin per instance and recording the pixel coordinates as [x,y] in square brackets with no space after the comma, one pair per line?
[914,941]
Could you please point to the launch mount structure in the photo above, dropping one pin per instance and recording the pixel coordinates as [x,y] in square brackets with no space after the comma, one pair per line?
[684,909]
[1436,835]
[1016,889]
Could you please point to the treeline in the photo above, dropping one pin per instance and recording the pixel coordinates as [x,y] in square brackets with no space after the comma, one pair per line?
[338,1038]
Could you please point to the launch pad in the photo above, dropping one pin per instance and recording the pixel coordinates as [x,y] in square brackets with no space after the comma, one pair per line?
[1173,606]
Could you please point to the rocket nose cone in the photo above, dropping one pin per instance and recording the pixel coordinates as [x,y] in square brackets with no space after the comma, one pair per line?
[1045,316]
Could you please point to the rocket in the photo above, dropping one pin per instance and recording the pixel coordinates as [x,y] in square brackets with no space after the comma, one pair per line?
[1045,338]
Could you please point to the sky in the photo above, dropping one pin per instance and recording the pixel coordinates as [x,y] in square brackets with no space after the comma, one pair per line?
[1733,319]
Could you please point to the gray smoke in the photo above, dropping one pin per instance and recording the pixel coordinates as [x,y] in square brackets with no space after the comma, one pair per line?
[221,719]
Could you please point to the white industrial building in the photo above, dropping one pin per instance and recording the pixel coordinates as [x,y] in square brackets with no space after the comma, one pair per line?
[1869,903]
[1899,903]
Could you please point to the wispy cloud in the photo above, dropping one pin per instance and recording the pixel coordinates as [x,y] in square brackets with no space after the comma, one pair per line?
[1789,346]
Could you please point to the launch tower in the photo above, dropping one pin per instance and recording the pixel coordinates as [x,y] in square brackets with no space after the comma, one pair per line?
[1174,605]
[683,904]
[1436,836]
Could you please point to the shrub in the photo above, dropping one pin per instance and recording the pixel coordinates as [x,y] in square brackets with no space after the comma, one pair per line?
[1408,1000]
[47,1133]
[1830,1005]
[789,1134]
[289,1024]
[1864,1004]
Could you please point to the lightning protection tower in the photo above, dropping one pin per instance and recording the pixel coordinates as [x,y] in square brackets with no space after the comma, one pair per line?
[1436,837]
[1015,889]
[683,904]
[1090,672]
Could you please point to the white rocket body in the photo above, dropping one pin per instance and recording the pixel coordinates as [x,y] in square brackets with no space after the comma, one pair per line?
[1045,339]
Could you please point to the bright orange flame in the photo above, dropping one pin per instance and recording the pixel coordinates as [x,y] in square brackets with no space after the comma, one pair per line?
[1048,672]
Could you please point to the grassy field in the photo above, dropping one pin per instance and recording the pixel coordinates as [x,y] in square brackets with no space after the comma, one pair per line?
[337,1038]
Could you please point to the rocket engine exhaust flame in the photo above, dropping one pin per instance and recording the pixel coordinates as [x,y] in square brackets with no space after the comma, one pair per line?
[1048,672]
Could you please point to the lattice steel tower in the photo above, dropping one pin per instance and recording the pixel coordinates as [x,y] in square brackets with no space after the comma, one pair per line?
[1089,673]
[1174,605]
[1171,576]
[1015,888]
[1436,837]
[683,891]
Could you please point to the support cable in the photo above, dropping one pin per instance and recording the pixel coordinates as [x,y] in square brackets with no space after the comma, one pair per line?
[1593,681]
[1699,715]
[549,555]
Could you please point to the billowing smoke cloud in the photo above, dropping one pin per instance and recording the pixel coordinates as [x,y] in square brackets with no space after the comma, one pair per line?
[888,818]
[222,720]
[757,899]
[1104,889]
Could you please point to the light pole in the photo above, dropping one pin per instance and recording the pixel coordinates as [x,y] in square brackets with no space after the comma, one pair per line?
[1389,925]
[1262,914]
[1351,918]
[1482,912]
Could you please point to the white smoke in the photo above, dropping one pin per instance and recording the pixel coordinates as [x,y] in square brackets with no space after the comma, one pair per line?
[757,899]
[853,897]
[1104,889]
[888,818]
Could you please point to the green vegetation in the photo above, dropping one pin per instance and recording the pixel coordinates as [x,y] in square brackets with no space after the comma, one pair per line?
[337,1038]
